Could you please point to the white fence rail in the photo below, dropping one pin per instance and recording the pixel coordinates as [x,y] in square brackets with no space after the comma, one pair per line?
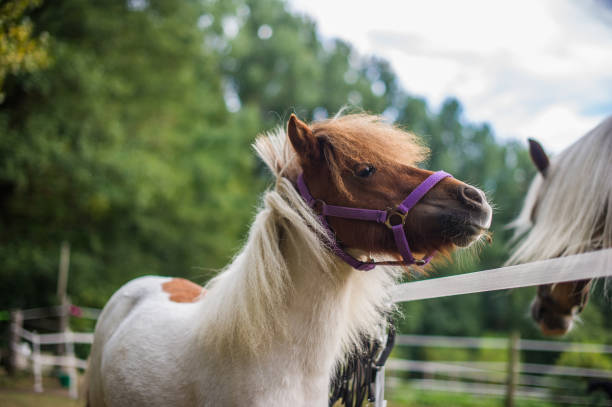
[497,390]
[532,381]
[490,367]
[500,343]
[571,268]
[68,361]
[35,358]
[59,310]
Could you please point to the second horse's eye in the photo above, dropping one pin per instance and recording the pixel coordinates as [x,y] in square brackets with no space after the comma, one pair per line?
[365,170]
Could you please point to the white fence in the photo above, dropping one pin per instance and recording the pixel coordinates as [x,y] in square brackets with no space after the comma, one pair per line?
[533,381]
[500,343]
[571,268]
[35,358]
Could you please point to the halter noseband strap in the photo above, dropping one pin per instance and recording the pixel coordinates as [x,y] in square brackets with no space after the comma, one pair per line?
[394,219]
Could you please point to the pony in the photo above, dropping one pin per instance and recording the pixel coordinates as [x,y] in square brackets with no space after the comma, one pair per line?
[271,327]
[567,210]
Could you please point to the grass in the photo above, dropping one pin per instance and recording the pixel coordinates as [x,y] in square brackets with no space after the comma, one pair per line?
[18,392]
[22,399]
[405,396]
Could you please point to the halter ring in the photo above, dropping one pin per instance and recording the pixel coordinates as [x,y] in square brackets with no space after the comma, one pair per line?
[392,213]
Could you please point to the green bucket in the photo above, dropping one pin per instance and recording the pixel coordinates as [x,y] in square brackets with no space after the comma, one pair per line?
[64,379]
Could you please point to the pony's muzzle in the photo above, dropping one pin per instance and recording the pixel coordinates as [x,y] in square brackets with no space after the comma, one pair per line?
[475,202]
[551,323]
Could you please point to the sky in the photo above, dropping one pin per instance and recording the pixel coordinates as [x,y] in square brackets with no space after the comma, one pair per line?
[540,69]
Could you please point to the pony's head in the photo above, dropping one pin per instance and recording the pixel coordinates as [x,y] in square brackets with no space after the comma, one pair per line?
[568,210]
[359,161]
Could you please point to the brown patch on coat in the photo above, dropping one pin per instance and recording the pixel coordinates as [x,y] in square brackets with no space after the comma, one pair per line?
[182,290]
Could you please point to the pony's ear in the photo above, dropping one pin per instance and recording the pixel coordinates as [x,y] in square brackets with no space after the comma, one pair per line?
[302,139]
[538,156]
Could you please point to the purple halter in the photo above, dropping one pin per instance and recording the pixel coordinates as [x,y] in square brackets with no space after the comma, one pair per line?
[394,219]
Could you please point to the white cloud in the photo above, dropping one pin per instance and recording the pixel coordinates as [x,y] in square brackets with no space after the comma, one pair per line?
[532,69]
[567,126]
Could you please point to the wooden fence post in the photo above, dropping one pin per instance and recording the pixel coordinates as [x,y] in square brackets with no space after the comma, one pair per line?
[513,368]
[14,340]
[62,282]
[36,363]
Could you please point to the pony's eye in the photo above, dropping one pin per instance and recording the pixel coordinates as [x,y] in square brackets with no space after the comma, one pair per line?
[365,170]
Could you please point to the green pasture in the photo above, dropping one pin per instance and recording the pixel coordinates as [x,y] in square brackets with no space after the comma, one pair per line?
[18,392]
[406,397]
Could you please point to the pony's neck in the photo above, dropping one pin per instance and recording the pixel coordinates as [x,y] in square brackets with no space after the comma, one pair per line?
[286,305]
[318,318]
[320,326]
[330,309]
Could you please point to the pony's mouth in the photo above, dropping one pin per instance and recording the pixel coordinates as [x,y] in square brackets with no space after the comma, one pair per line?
[463,230]
[456,226]
[551,323]
[467,234]
[556,329]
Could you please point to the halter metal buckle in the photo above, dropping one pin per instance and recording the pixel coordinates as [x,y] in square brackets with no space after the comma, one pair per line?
[395,214]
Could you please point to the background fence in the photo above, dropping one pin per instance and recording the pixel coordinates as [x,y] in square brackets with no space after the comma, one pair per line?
[66,340]
[510,378]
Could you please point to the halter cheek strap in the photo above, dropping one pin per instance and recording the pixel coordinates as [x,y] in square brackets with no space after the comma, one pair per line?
[394,219]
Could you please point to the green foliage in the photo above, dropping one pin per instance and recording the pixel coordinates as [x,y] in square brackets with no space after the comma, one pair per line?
[20,50]
[116,148]
[405,395]
[446,354]
[133,144]
[293,69]
[585,360]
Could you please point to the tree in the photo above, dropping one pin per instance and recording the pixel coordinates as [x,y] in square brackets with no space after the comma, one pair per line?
[20,51]
[122,147]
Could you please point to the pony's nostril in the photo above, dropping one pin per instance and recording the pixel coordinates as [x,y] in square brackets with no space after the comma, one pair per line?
[471,196]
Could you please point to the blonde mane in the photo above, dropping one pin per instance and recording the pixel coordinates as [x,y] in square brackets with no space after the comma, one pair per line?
[572,204]
[247,301]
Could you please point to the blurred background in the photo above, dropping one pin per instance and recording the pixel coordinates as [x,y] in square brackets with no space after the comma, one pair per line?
[126,130]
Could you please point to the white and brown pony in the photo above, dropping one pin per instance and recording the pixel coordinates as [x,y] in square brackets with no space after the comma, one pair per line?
[568,210]
[269,329]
